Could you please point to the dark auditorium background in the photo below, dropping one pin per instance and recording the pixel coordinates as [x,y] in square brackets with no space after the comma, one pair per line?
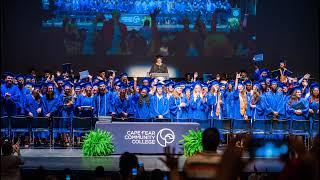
[284,29]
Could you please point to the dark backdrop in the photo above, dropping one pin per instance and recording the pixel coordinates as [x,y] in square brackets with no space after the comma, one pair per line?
[287,29]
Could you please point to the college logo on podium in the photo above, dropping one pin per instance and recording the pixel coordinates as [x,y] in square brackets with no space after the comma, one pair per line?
[165,136]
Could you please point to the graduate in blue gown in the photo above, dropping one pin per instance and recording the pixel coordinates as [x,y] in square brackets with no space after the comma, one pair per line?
[298,107]
[59,86]
[66,114]
[274,102]
[23,94]
[34,103]
[256,105]
[143,108]
[51,102]
[178,104]
[314,105]
[10,94]
[159,104]
[104,101]
[241,105]
[215,106]
[122,103]
[67,105]
[188,92]
[85,102]
[199,104]
[261,74]
[133,98]
[169,89]
[228,100]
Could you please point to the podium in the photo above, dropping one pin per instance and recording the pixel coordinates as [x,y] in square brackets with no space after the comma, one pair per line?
[160,75]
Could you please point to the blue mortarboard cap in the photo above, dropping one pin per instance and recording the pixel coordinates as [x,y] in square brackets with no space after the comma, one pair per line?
[87,85]
[77,86]
[257,85]
[116,79]
[204,86]
[60,79]
[262,82]
[28,77]
[95,85]
[282,85]
[258,57]
[145,88]
[240,83]
[101,83]
[123,75]
[296,88]
[188,87]
[167,81]
[314,85]
[29,84]
[49,84]
[118,83]
[274,81]
[145,79]
[95,79]
[169,84]
[231,82]
[19,76]
[159,85]
[67,84]
[37,86]
[177,85]
[214,83]
[264,70]
[247,82]
[123,86]
[196,83]
[222,84]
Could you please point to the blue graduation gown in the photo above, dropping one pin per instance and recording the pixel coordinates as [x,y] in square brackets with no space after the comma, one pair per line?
[177,112]
[143,110]
[315,107]
[67,112]
[133,99]
[259,111]
[159,106]
[10,105]
[228,104]
[22,100]
[236,106]
[104,104]
[212,107]
[199,108]
[86,101]
[50,105]
[275,102]
[122,106]
[294,106]
[32,105]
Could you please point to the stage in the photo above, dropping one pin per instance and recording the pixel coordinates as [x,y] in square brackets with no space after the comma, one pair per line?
[60,159]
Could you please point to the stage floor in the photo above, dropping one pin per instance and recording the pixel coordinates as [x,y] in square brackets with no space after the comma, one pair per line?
[59,159]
